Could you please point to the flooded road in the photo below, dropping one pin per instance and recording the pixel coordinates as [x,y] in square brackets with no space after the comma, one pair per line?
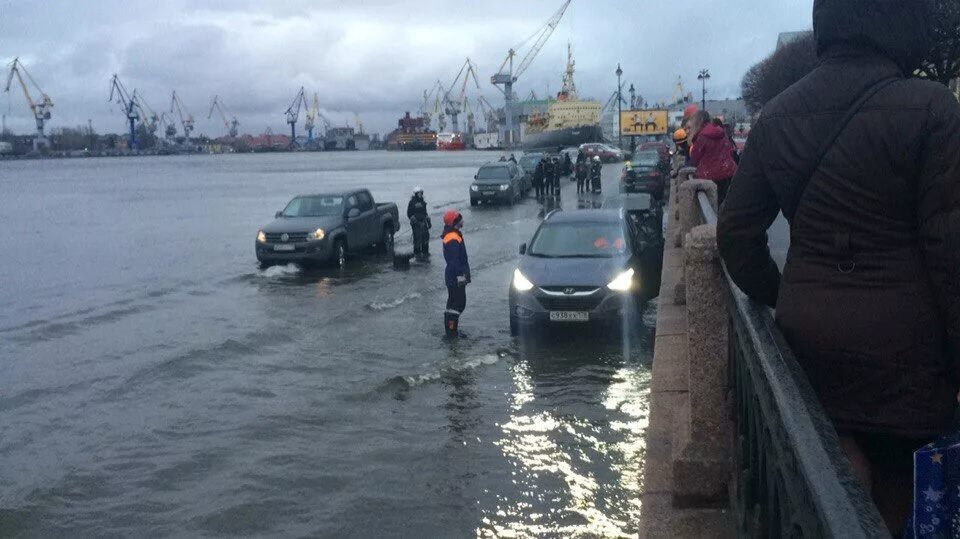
[154,381]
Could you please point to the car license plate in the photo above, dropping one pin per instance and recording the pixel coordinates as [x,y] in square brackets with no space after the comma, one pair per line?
[488,193]
[284,247]
[569,316]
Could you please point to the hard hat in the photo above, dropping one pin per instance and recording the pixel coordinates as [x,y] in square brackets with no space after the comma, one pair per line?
[629,165]
[689,111]
[679,135]
[451,217]
[596,158]
[417,189]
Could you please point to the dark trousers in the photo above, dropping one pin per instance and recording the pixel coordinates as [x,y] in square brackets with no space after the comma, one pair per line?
[456,299]
[538,188]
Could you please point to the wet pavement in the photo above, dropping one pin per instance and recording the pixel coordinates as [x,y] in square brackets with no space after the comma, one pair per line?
[155,381]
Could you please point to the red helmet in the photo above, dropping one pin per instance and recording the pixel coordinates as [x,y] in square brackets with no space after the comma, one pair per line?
[452,217]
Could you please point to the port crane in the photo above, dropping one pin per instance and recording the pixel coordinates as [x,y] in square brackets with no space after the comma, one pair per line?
[429,108]
[230,124]
[186,120]
[40,107]
[507,75]
[169,129]
[454,106]
[293,113]
[312,115]
[119,95]
[148,118]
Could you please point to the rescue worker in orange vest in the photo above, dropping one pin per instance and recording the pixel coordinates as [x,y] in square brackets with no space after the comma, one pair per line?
[457,273]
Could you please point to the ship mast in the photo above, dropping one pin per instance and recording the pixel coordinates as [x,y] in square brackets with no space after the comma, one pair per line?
[569,89]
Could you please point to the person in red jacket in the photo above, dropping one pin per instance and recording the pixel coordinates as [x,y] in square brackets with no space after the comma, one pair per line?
[712,153]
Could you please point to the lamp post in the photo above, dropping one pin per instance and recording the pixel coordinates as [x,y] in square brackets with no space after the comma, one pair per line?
[702,77]
[619,107]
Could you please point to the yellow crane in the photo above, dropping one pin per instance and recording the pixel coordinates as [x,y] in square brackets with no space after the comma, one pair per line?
[40,107]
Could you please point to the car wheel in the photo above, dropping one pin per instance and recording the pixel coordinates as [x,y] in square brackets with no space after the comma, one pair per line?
[339,255]
[473,202]
[386,240]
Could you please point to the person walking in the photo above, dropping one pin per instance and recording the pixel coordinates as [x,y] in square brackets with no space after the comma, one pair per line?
[547,175]
[538,176]
[457,272]
[711,152]
[419,222]
[567,165]
[557,172]
[861,159]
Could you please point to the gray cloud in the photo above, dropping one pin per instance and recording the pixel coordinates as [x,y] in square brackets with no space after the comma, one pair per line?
[371,57]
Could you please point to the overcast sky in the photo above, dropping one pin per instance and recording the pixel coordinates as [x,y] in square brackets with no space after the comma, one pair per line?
[370,57]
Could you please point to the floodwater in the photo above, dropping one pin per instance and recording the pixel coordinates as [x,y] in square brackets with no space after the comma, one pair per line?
[154,381]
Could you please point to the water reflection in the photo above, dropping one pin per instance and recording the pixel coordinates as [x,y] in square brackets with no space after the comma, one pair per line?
[574,437]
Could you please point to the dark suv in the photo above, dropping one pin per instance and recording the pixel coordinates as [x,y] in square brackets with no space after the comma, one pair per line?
[499,181]
[581,266]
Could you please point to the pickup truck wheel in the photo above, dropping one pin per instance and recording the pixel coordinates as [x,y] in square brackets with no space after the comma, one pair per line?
[386,240]
[339,255]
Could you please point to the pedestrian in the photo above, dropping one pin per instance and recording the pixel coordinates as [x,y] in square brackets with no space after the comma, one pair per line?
[548,175]
[557,171]
[419,221]
[567,164]
[861,160]
[582,172]
[595,174]
[538,175]
[457,273]
[711,153]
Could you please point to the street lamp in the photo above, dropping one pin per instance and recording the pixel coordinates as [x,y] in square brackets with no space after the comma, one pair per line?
[619,107]
[702,77]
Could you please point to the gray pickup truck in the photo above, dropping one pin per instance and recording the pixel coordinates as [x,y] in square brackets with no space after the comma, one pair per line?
[326,228]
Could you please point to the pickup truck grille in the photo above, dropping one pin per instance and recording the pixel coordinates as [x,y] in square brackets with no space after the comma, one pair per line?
[292,237]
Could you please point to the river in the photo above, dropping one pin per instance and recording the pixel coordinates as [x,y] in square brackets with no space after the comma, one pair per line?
[154,381]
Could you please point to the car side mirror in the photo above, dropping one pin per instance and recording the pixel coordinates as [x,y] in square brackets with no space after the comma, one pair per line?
[352,212]
[278,215]
[523,248]
[475,176]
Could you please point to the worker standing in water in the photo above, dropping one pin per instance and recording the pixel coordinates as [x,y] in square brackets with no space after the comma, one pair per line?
[457,274]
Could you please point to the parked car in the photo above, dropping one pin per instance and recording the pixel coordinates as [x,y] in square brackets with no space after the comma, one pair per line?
[659,146]
[644,174]
[498,181]
[326,228]
[607,153]
[528,163]
[580,267]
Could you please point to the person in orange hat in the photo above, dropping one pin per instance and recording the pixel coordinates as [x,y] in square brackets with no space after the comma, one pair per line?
[457,273]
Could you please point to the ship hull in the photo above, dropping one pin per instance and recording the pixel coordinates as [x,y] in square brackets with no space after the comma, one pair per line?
[569,136]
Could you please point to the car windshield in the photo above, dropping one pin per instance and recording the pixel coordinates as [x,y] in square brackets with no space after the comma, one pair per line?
[578,240]
[493,173]
[314,207]
[529,162]
[646,159]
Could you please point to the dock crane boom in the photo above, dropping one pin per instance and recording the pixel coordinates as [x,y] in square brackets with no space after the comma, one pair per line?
[507,75]
[148,117]
[453,106]
[186,121]
[311,116]
[230,124]
[119,94]
[40,107]
[293,113]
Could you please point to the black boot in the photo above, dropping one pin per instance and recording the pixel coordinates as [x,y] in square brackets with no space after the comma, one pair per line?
[451,323]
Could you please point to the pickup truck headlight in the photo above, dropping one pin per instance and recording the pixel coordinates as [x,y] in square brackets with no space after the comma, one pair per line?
[622,282]
[261,237]
[316,235]
[474,188]
[504,186]
[521,283]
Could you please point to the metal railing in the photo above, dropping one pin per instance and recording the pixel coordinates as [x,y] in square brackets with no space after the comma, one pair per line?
[791,476]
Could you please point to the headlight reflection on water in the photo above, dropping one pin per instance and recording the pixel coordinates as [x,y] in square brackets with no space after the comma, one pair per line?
[574,476]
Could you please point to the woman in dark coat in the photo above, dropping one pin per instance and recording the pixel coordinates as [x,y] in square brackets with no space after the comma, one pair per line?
[870,295]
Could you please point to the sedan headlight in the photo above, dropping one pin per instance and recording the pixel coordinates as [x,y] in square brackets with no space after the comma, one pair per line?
[622,282]
[316,235]
[474,188]
[521,283]
[504,186]
[261,237]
